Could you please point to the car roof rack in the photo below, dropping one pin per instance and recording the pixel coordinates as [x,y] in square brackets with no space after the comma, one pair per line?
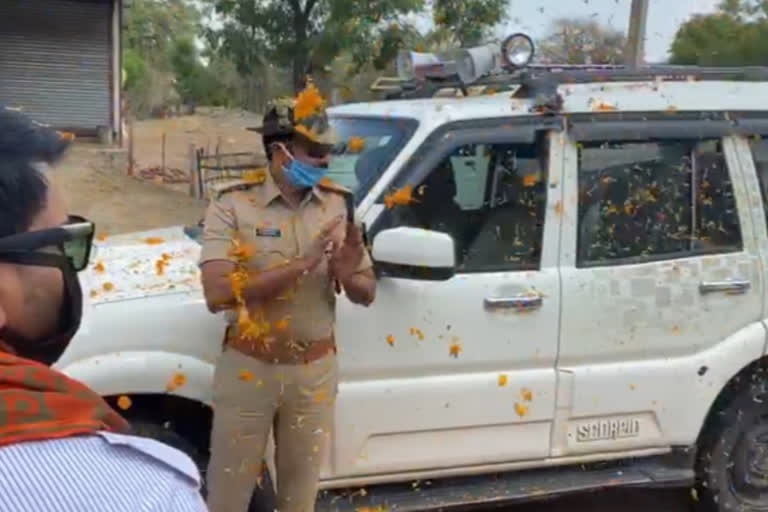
[537,79]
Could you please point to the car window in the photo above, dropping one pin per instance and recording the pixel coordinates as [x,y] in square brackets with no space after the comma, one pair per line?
[760,157]
[490,198]
[646,201]
[366,148]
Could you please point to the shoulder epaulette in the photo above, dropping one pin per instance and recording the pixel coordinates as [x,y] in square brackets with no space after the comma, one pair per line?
[234,185]
[328,184]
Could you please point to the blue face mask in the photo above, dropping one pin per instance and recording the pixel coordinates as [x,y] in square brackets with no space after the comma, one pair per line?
[303,175]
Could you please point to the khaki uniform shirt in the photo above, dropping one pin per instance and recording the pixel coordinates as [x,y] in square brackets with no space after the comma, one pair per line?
[277,233]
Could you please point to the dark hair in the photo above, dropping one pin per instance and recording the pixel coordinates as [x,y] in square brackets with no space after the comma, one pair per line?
[23,186]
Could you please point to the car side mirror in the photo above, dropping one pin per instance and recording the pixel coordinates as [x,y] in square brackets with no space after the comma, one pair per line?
[413,253]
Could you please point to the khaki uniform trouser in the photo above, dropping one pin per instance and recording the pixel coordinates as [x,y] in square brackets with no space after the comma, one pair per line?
[249,397]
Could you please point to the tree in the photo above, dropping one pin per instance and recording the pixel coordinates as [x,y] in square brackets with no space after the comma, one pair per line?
[301,34]
[152,26]
[162,60]
[735,35]
[582,41]
[467,22]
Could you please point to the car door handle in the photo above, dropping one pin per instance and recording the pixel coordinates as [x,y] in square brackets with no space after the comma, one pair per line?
[732,287]
[520,302]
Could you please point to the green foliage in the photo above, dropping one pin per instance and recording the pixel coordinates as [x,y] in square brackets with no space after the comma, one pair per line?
[582,41]
[468,21]
[135,69]
[163,63]
[305,35]
[264,48]
[736,35]
[152,26]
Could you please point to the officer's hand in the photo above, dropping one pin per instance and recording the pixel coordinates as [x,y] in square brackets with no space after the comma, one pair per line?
[347,258]
[322,243]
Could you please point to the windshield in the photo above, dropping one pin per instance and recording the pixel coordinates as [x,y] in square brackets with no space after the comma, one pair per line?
[367,147]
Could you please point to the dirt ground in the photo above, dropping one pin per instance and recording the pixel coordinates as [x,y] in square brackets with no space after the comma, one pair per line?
[118,203]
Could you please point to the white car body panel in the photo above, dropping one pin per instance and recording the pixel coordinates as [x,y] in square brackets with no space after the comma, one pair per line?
[643,330]
[661,355]
[136,336]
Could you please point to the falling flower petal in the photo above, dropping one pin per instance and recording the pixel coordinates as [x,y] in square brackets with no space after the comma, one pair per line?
[154,240]
[245,375]
[160,266]
[400,197]
[99,267]
[308,102]
[240,252]
[124,402]
[601,106]
[530,180]
[355,144]
[521,409]
[178,380]
[455,349]
[418,333]
[255,177]
[391,340]
[252,327]
[503,380]
[101,237]
[283,324]
[526,394]
[108,287]
[320,397]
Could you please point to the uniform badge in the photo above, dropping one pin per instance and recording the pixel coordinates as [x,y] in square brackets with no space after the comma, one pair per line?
[270,232]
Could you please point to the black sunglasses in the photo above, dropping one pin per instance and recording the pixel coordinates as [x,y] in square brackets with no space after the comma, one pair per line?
[74,238]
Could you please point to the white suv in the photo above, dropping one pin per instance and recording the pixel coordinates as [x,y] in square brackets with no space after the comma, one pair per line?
[579,277]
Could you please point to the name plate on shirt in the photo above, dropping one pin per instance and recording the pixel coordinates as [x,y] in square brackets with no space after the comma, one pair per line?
[271,232]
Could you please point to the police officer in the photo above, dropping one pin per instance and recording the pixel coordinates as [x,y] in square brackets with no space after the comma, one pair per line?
[276,249]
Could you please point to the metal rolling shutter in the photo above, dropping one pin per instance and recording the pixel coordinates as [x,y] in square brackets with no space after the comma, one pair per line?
[55,61]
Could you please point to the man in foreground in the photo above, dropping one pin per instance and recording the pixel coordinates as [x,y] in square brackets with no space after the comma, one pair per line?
[61,446]
[276,249]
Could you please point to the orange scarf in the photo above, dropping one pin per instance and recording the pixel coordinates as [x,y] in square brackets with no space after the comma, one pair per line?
[38,403]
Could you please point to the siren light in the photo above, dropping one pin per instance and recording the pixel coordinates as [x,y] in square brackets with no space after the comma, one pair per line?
[518,50]
[475,62]
[469,64]
[422,65]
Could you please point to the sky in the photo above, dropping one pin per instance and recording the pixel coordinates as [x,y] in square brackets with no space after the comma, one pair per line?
[534,17]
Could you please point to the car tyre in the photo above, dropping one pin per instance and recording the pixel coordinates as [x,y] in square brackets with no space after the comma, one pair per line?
[732,465]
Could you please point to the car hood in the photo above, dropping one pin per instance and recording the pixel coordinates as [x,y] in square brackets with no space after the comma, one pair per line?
[125,267]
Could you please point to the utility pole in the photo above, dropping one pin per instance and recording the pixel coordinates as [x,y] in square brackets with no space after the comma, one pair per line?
[638,18]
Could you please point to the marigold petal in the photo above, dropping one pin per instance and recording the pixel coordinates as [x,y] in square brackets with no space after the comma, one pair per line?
[124,402]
